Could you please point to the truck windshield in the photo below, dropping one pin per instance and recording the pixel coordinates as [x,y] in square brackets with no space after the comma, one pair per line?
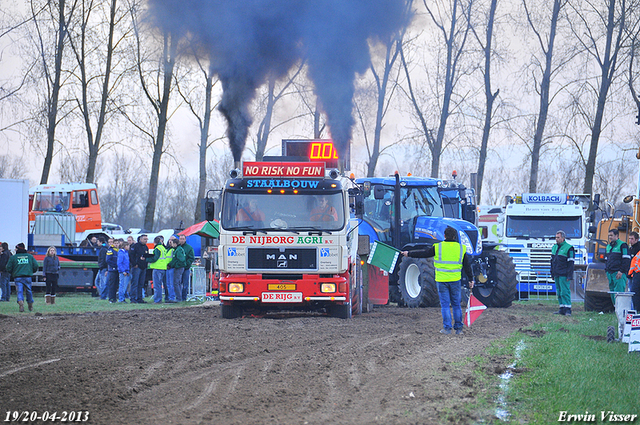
[50,201]
[543,227]
[249,211]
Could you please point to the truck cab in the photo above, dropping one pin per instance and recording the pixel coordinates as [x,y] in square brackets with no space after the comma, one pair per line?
[79,200]
[287,240]
[529,225]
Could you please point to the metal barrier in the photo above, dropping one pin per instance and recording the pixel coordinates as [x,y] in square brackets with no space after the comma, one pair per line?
[197,284]
[576,286]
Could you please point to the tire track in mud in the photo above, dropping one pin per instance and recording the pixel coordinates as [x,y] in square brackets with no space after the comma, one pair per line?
[189,366]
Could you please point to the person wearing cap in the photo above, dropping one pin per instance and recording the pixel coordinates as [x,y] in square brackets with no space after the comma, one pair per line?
[22,266]
[450,259]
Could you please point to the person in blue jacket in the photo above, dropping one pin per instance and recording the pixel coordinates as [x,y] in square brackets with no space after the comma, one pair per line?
[124,271]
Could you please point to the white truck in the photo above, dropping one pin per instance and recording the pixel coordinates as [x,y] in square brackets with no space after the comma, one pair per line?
[15,217]
[288,241]
[527,230]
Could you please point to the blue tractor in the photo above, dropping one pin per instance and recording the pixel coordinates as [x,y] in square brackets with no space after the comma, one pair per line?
[411,213]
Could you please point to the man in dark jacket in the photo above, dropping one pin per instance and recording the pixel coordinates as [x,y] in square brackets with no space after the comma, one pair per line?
[5,276]
[101,277]
[22,266]
[186,274]
[563,259]
[450,259]
[138,254]
[112,270]
[617,264]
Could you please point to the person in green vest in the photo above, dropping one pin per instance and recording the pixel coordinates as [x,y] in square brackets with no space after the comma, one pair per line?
[617,264]
[450,257]
[563,258]
[178,263]
[158,264]
[22,266]
[188,251]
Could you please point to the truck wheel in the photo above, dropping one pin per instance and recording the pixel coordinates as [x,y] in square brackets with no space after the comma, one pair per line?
[593,301]
[503,283]
[230,311]
[417,282]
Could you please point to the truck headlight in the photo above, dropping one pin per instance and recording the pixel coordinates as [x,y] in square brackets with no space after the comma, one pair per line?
[328,287]
[236,287]
[464,240]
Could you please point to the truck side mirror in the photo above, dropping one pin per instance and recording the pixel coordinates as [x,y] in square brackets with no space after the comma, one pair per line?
[358,201]
[209,209]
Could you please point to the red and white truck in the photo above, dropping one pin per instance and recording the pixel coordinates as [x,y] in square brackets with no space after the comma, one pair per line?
[288,240]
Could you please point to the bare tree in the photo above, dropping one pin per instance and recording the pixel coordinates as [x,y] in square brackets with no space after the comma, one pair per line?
[58,14]
[123,192]
[266,125]
[383,95]
[202,112]
[11,167]
[603,44]
[544,89]
[454,24]
[89,74]
[490,96]
[161,78]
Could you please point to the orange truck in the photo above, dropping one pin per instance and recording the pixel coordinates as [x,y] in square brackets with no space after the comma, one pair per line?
[77,200]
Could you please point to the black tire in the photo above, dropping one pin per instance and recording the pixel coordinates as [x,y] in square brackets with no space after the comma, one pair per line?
[611,334]
[505,282]
[597,301]
[230,311]
[417,282]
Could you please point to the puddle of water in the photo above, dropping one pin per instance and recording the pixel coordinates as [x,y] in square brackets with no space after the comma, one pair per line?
[502,411]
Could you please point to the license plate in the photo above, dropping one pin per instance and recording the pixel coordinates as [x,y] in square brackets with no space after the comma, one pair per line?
[543,287]
[281,287]
[282,297]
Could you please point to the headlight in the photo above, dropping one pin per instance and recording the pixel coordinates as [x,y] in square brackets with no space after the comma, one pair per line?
[328,287]
[236,287]
[479,244]
[464,240]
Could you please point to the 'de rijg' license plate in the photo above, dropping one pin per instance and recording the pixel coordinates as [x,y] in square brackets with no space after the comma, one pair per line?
[282,297]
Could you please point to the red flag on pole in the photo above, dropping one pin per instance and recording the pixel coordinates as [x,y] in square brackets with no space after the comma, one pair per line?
[474,310]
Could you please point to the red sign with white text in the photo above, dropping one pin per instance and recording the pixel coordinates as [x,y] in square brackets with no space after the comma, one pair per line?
[283,169]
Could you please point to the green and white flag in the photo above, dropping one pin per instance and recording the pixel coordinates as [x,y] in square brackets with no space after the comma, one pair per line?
[383,256]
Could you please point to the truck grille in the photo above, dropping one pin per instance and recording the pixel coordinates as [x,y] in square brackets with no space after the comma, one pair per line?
[539,269]
[282,259]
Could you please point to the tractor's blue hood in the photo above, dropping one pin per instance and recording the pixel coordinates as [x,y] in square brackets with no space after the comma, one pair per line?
[431,229]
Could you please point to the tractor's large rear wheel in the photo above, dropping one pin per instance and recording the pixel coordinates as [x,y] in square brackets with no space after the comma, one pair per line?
[500,290]
[418,283]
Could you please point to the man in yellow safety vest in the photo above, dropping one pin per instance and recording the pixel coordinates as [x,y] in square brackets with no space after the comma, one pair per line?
[158,264]
[450,257]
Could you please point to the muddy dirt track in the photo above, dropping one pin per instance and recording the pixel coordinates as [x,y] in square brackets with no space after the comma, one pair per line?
[190,366]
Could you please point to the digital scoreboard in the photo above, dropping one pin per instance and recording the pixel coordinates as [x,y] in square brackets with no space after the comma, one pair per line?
[316,150]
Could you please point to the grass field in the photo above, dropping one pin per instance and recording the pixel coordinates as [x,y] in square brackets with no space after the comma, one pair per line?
[70,302]
[564,364]
[559,364]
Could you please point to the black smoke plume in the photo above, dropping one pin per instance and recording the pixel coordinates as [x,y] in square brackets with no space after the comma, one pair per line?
[250,40]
